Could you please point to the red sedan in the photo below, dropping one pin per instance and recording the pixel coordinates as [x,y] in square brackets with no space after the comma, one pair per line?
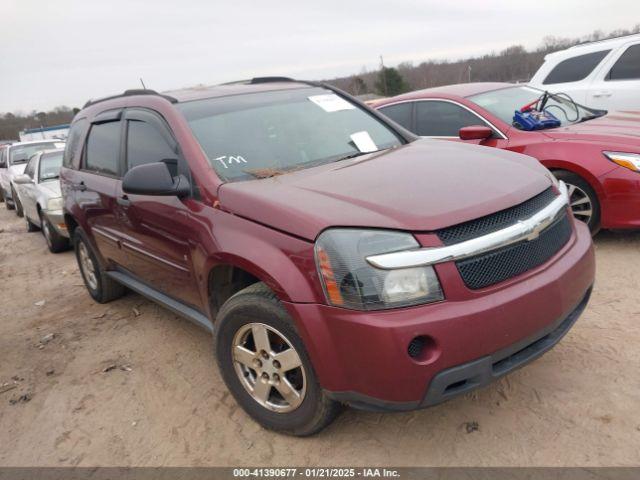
[596,153]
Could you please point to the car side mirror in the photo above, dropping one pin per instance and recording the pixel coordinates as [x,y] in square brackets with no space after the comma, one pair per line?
[22,179]
[155,179]
[3,164]
[475,132]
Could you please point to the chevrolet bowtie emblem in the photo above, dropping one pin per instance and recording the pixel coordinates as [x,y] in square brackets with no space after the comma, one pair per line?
[533,229]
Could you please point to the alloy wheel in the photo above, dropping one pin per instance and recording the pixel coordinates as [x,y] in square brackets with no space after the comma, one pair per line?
[87,266]
[580,203]
[269,367]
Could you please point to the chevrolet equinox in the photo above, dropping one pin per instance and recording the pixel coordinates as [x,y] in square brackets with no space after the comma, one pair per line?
[336,258]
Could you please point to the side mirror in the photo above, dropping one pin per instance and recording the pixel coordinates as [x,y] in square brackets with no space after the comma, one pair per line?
[475,132]
[22,179]
[3,164]
[155,179]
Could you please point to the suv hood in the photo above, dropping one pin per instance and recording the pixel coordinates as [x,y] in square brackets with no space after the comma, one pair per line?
[422,186]
[614,128]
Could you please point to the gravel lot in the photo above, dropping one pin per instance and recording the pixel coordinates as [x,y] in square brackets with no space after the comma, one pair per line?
[129,383]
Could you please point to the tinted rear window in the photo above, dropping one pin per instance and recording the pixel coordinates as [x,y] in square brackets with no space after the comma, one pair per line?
[401,114]
[576,68]
[103,148]
[442,119]
[628,65]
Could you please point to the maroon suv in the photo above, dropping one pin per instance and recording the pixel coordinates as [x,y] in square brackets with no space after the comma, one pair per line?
[336,258]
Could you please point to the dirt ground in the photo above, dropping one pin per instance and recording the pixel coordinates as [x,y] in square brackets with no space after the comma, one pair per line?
[129,383]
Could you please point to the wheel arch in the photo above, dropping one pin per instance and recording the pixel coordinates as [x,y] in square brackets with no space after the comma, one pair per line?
[585,174]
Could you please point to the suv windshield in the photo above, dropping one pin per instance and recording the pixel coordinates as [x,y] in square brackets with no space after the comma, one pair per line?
[50,164]
[267,133]
[503,104]
[22,153]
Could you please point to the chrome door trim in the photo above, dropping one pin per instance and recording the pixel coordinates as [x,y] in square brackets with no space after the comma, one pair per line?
[435,99]
[155,257]
[528,229]
[104,234]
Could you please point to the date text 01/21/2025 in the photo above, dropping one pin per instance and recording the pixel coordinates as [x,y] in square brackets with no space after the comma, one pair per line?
[317,472]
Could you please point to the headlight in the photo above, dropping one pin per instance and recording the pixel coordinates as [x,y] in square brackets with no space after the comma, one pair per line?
[350,282]
[54,204]
[626,160]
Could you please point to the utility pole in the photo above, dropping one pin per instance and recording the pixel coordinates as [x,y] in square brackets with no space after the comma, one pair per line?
[469,72]
[384,77]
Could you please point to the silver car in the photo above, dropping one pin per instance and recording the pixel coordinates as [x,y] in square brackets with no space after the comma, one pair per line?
[38,190]
[12,163]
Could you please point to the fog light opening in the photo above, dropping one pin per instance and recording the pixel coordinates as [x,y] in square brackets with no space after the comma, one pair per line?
[423,348]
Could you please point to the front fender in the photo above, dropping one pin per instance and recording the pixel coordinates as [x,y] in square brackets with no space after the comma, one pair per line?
[284,262]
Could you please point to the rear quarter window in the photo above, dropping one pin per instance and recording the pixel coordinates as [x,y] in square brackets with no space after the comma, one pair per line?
[628,65]
[401,113]
[576,68]
[73,149]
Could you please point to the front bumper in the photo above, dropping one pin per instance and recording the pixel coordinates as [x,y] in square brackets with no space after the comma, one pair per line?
[56,218]
[620,209]
[361,358]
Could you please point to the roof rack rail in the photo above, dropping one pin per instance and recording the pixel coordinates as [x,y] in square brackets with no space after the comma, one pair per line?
[604,39]
[131,93]
[258,80]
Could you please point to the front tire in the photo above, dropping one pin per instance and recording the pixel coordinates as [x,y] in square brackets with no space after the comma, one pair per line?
[266,367]
[55,242]
[31,227]
[582,199]
[101,287]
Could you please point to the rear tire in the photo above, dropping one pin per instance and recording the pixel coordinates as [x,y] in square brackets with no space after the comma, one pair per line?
[102,288]
[255,320]
[56,242]
[7,204]
[17,203]
[583,199]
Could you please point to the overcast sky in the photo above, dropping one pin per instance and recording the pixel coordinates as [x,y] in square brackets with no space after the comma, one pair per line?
[64,52]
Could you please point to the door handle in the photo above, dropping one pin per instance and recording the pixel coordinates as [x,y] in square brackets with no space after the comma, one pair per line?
[80,186]
[123,201]
[603,93]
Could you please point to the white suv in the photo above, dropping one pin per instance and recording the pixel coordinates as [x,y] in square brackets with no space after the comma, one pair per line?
[603,74]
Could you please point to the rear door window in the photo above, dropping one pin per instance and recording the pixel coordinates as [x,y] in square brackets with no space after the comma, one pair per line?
[576,68]
[401,113]
[103,149]
[628,65]
[443,119]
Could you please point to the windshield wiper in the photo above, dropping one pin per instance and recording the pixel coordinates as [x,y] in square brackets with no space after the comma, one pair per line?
[590,117]
[356,154]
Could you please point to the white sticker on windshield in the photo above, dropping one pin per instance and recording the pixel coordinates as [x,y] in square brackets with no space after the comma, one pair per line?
[331,102]
[364,142]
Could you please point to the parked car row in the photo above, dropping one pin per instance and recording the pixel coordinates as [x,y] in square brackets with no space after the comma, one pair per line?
[29,184]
